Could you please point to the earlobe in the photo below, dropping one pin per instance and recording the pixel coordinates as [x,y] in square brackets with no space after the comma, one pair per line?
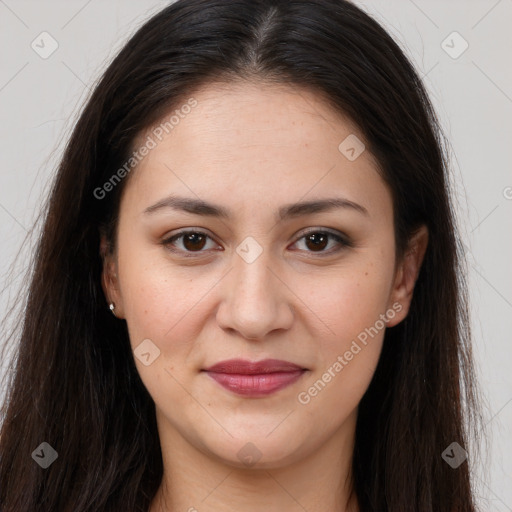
[408,272]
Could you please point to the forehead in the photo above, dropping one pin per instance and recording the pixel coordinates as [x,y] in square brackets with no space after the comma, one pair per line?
[246,140]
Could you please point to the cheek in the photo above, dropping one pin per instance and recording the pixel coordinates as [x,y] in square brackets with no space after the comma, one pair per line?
[161,306]
[347,301]
[158,302]
[157,295]
[347,356]
[351,308]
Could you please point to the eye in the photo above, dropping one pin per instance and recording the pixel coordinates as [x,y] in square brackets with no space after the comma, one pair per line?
[316,240]
[192,241]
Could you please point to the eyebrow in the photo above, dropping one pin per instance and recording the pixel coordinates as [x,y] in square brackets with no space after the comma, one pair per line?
[289,211]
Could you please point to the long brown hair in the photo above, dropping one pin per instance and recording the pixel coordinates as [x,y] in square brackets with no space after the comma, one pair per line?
[74,383]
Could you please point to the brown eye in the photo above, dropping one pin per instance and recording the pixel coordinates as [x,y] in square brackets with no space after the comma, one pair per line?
[191,241]
[194,241]
[317,241]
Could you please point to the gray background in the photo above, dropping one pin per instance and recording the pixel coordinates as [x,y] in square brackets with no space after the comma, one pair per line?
[40,98]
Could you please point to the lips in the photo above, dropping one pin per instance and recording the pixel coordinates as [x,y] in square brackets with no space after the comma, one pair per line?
[242,367]
[255,378]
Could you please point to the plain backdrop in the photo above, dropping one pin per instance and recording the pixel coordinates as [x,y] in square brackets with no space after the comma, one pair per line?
[461,48]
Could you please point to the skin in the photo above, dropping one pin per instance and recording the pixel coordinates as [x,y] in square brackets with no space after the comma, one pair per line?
[253,148]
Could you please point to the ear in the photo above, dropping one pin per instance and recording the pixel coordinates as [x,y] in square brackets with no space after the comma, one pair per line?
[407,274]
[109,279]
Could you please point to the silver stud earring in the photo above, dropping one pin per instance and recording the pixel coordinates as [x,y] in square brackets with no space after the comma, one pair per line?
[112,308]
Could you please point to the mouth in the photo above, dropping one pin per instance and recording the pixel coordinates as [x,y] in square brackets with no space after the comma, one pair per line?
[255,379]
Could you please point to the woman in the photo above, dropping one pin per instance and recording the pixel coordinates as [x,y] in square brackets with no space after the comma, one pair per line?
[248,293]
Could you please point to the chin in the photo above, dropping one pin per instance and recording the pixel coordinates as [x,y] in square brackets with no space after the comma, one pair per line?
[249,451]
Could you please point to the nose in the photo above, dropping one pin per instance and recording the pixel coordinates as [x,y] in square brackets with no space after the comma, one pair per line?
[256,299]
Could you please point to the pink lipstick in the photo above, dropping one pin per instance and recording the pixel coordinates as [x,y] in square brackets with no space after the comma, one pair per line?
[254,379]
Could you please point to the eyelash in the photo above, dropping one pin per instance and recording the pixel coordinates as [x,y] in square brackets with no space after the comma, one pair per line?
[338,237]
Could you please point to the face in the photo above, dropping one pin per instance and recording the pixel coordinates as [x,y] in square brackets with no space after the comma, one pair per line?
[312,286]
